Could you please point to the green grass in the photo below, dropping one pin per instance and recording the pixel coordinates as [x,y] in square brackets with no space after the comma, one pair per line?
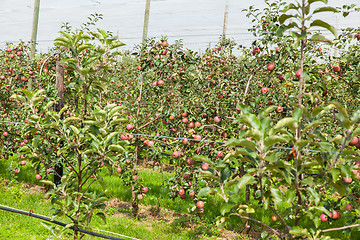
[15,226]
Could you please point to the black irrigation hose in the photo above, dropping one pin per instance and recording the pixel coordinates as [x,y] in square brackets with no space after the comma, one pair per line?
[58,223]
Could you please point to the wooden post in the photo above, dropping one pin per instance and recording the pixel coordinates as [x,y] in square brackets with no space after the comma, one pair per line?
[225,18]
[146,21]
[35,28]
[60,87]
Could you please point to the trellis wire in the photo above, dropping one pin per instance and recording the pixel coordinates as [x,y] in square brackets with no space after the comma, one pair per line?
[190,139]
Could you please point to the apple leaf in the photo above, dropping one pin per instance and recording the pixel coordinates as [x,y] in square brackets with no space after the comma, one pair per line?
[356,115]
[272,140]
[312,1]
[287,122]
[340,188]
[102,216]
[266,111]
[318,37]
[116,44]
[117,148]
[208,175]
[241,142]
[335,174]
[74,129]
[291,6]
[109,137]
[346,170]
[326,9]
[297,114]
[71,119]
[320,23]
[225,174]
[356,132]
[299,231]
[243,181]
[283,28]
[277,195]
[226,208]
[250,120]
[315,195]
[284,17]
[317,110]
[314,124]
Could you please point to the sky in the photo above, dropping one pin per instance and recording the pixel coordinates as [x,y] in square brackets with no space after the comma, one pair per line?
[197,22]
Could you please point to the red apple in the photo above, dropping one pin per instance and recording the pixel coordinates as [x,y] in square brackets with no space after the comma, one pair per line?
[217,119]
[118,170]
[274,218]
[123,137]
[197,137]
[5,134]
[200,204]
[16,170]
[354,141]
[185,141]
[38,176]
[197,124]
[145,189]
[298,73]
[165,44]
[256,51]
[205,166]
[129,126]
[348,207]
[323,217]
[335,215]
[181,192]
[270,66]
[191,193]
[337,68]
[23,162]
[264,90]
[175,154]
[140,197]
[347,180]
[160,82]
[190,161]
[279,109]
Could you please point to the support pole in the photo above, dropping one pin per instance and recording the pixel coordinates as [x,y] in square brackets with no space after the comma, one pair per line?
[146,21]
[226,13]
[34,35]
[35,28]
[60,88]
